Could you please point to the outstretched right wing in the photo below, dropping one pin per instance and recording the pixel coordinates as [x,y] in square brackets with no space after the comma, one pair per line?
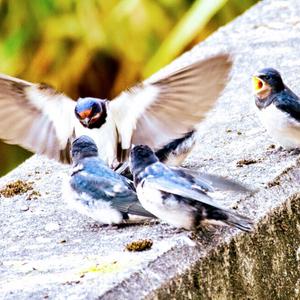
[37,117]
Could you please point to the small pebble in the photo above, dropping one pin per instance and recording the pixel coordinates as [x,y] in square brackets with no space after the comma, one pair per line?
[270,147]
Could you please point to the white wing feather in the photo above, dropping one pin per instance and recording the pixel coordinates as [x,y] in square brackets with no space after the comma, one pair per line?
[157,112]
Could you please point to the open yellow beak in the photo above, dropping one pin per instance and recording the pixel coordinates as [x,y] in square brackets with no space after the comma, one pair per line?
[258,84]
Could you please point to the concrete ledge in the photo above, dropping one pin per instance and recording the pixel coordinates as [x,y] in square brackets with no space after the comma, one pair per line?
[47,251]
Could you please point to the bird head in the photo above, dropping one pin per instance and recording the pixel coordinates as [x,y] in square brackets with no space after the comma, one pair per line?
[265,82]
[83,147]
[91,112]
[141,156]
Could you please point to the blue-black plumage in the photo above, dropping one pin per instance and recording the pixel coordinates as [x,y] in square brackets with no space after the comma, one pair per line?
[97,191]
[180,197]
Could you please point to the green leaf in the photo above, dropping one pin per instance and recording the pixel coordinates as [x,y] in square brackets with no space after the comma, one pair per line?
[183,33]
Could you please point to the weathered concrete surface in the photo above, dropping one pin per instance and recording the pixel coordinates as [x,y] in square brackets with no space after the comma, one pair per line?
[48,251]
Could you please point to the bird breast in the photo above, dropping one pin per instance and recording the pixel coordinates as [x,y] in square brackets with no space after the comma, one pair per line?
[105,138]
[167,209]
[280,126]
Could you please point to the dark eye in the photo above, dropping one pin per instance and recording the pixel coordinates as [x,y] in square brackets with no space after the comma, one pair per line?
[96,108]
[267,77]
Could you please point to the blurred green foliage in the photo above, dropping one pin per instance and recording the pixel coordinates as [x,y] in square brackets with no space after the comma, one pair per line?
[99,47]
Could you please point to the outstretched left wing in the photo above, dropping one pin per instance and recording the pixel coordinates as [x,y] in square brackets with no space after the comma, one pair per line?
[159,111]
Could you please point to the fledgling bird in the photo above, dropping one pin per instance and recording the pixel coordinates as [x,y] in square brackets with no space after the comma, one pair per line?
[278,108]
[97,191]
[157,112]
[180,197]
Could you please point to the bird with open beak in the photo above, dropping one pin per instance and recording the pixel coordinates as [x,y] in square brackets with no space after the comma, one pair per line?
[278,108]
[161,113]
[179,196]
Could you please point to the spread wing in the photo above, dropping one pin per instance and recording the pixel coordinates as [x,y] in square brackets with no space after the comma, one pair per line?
[36,117]
[159,111]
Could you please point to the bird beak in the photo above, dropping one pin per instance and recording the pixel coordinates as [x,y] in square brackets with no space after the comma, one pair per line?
[258,84]
[261,89]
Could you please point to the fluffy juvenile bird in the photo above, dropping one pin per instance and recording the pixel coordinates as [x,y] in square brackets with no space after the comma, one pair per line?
[278,108]
[97,191]
[156,112]
[178,196]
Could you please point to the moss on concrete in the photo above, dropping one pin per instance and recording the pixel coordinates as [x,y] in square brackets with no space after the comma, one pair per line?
[17,187]
[139,245]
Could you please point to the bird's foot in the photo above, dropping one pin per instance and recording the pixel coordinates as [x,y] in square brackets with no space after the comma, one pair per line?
[127,224]
[150,222]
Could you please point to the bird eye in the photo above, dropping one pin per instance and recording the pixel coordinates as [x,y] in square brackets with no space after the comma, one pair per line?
[267,77]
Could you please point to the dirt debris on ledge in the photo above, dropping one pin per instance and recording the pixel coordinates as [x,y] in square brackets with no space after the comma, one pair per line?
[17,187]
[140,245]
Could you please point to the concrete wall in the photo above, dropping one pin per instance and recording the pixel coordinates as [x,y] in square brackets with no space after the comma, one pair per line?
[47,251]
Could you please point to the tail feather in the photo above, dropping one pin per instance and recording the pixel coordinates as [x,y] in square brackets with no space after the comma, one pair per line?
[222,215]
[238,221]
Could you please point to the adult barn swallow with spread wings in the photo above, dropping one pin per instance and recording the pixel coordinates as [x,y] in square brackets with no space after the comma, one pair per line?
[155,112]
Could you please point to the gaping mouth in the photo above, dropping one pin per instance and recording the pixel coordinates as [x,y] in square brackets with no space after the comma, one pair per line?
[258,84]
[85,114]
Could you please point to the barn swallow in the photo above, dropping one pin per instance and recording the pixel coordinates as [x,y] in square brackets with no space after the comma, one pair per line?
[97,191]
[180,196]
[155,112]
[278,108]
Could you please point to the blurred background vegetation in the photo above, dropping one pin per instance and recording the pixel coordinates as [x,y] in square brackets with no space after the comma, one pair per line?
[99,47]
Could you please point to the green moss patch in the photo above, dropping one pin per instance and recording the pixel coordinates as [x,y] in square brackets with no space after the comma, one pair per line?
[139,245]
